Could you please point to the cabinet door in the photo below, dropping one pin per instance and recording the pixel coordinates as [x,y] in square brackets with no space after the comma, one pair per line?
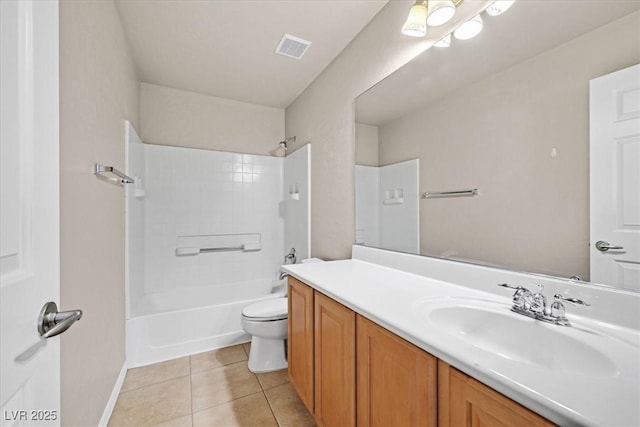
[463,401]
[396,381]
[300,340]
[335,375]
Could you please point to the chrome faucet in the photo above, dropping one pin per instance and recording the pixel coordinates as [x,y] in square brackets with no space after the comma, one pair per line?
[535,305]
[289,258]
[558,311]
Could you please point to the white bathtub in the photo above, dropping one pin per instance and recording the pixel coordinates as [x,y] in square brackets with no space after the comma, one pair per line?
[181,322]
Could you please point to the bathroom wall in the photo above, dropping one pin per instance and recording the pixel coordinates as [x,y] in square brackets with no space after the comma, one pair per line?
[201,192]
[188,119]
[296,201]
[324,115]
[366,145]
[98,91]
[501,117]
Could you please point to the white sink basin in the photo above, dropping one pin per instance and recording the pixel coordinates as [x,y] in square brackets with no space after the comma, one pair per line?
[491,326]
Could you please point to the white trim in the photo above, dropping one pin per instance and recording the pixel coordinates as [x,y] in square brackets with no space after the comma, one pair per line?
[309,200]
[111,404]
[127,207]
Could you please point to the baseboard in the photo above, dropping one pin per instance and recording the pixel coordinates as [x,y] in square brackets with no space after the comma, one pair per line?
[108,410]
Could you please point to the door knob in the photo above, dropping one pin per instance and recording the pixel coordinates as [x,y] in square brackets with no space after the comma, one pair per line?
[603,246]
[52,322]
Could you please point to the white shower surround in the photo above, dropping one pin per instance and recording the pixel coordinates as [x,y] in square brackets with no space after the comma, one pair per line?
[391,223]
[193,192]
[184,305]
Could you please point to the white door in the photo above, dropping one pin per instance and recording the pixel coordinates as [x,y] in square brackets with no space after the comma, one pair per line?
[615,178]
[29,229]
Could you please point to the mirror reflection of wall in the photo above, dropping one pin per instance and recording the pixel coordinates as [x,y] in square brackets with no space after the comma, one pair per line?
[516,128]
[387,208]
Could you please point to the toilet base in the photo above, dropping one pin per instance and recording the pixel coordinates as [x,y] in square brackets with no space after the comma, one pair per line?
[267,355]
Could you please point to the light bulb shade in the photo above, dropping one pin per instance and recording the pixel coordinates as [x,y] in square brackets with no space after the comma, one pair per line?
[416,25]
[499,7]
[444,42]
[469,29]
[440,12]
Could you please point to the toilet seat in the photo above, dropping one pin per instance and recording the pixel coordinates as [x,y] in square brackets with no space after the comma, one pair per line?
[268,310]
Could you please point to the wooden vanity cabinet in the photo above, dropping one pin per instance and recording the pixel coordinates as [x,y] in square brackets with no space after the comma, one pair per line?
[335,363]
[396,381]
[464,401]
[393,383]
[300,340]
[322,355]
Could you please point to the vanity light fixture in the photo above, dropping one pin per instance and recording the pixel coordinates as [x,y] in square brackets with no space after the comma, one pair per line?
[469,29]
[440,12]
[431,12]
[416,24]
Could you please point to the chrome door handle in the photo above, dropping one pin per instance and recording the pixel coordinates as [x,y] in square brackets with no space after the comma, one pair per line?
[603,246]
[52,322]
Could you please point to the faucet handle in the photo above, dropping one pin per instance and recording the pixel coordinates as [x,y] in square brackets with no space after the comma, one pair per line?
[557,314]
[507,285]
[576,301]
[522,298]
[291,256]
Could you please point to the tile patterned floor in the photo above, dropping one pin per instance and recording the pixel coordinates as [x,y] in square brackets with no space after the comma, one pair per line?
[208,389]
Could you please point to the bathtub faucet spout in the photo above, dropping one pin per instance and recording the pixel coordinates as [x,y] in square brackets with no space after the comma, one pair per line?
[289,258]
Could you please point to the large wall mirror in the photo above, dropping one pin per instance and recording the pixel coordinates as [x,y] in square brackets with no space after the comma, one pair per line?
[506,113]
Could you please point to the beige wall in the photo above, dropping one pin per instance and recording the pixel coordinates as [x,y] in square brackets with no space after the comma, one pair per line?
[497,135]
[177,117]
[98,91]
[324,116]
[366,145]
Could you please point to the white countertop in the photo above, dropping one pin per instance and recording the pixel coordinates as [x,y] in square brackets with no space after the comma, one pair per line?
[389,297]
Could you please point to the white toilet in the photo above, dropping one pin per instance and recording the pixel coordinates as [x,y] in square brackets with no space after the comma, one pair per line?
[266,322]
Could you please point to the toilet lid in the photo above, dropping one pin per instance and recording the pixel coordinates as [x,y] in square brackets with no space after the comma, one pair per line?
[271,309]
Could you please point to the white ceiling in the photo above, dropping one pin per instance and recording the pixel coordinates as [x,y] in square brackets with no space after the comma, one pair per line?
[226,48]
[529,28]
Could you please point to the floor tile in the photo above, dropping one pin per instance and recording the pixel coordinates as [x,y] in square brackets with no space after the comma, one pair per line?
[273,379]
[185,421]
[153,404]
[248,411]
[287,407]
[247,347]
[220,385]
[217,358]
[156,373]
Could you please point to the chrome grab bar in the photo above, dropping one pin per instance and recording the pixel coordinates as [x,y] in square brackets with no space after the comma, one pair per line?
[223,249]
[434,194]
[99,169]
[52,322]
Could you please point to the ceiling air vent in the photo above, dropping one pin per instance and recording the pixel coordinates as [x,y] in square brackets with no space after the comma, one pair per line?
[293,47]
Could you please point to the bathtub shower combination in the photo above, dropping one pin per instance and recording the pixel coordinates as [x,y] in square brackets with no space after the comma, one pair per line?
[207,232]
